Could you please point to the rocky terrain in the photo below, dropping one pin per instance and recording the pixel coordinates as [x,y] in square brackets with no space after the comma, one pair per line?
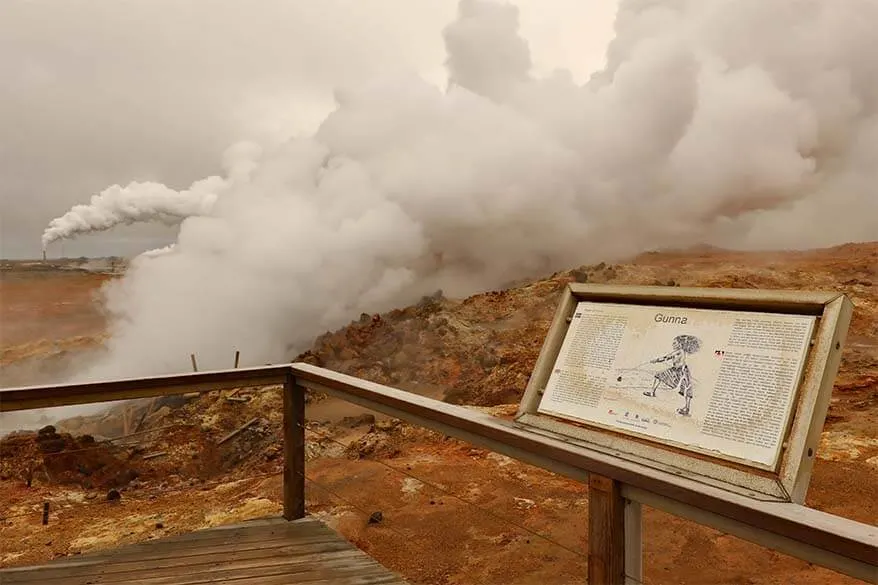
[449,513]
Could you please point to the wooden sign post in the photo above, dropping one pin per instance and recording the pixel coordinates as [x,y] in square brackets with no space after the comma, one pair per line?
[606,531]
[729,387]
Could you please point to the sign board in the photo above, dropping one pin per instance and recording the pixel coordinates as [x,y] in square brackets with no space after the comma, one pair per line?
[728,386]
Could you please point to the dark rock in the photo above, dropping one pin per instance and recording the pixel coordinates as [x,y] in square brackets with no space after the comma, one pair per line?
[579,275]
[113,496]
[125,477]
[376,518]
[51,443]
[174,401]
[356,421]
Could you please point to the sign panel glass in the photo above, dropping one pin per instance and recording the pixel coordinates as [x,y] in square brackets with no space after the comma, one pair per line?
[716,382]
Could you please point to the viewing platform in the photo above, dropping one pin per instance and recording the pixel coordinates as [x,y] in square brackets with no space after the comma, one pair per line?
[265,552]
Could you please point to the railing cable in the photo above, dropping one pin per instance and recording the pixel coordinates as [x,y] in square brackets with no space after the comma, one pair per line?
[348,502]
[460,498]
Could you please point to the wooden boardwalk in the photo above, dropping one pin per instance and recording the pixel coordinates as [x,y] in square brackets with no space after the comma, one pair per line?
[264,552]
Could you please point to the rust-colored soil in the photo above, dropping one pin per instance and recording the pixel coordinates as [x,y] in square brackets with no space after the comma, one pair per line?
[48,318]
[450,514]
[49,305]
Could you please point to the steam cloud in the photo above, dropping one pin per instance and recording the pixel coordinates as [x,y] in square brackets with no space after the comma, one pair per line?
[138,202]
[734,122]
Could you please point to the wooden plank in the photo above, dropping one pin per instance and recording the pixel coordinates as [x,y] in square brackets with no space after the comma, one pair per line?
[93,564]
[656,456]
[12,399]
[156,551]
[606,532]
[218,566]
[207,541]
[772,301]
[252,534]
[548,354]
[113,568]
[815,393]
[325,568]
[309,552]
[846,538]
[294,565]
[294,448]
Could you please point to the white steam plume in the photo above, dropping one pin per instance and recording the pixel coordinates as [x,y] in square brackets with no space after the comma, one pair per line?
[155,253]
[734,122]
[151,202]
[136,202]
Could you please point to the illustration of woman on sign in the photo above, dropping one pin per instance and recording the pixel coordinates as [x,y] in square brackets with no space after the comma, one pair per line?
[678,374]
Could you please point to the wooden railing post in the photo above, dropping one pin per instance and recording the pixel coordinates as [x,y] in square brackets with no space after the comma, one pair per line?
[294,448]
[606,531]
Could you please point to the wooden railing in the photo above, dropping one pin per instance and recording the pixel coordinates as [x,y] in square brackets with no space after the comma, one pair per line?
[823,539]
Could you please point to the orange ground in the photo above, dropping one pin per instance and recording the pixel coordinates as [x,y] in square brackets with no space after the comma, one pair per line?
[47,318]
[475,518]
[48,305]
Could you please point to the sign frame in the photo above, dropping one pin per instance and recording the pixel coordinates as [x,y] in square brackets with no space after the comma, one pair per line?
[789,481]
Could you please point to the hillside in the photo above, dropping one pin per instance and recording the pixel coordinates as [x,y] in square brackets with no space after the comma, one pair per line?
[178,473]
[481,350]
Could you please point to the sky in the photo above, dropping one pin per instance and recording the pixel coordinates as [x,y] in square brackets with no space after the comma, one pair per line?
[99,92]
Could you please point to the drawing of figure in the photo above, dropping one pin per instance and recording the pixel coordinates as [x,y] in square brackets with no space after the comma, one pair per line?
[678,374]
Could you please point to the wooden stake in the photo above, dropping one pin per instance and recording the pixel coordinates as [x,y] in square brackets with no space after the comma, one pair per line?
[126,421]
[237,431]
[606,532]
[194,363]
[294,449]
